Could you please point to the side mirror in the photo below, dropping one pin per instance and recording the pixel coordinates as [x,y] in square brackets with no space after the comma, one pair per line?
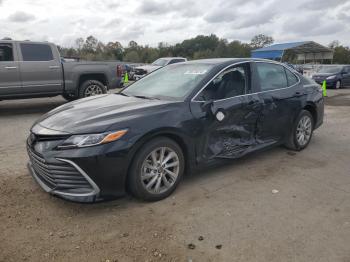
[207,105]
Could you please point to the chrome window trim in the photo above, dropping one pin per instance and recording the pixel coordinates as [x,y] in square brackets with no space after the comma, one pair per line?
[270,62]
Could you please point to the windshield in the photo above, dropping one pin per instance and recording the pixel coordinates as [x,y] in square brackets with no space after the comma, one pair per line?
[175,81]
[330,69]
[160,62]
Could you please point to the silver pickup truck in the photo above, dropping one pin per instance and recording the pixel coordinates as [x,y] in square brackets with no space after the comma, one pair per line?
[35,69]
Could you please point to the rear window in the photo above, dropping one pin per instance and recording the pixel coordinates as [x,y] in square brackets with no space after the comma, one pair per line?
[176,61]
[36,52]
[6,52]
[291,78]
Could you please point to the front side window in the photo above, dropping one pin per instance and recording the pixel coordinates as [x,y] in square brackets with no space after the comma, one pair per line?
[230,83]
[174,81]
[6,52]
[271,76]
[36,52]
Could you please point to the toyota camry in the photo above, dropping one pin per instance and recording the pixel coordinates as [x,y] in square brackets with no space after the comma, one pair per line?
[176,119]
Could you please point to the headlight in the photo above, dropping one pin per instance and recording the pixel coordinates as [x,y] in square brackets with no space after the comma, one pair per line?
[91,139]
[330,77]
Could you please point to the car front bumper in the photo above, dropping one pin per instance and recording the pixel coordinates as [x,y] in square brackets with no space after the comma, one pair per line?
[80,175]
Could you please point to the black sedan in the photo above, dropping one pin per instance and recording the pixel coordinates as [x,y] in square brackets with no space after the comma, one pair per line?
[336,76]
[176,119]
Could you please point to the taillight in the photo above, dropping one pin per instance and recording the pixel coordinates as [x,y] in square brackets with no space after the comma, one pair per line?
[119,71]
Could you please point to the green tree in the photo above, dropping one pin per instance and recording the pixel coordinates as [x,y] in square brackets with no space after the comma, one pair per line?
[90,44]
[260,41]
[238,49]
[115,49]
[132,56]
[341,55]
[133,44]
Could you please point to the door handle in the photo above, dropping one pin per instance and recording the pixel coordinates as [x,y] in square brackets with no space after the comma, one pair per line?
[53,67]
[10,67]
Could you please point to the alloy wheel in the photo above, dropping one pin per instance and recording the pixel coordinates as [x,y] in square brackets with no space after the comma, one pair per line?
[160,170]
[304,130]
[93,90]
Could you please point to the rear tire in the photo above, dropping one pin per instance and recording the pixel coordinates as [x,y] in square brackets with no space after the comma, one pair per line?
[156,169]
[301,133]
[91,88]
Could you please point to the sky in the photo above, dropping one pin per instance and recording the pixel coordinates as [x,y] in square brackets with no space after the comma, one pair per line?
[153,21]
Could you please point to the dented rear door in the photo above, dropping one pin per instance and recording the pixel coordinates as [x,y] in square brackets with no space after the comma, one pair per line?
[281,102]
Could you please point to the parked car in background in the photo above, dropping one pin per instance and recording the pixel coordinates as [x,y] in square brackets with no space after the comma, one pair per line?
[178,118]
[35,69]
[141,71]
[336,76]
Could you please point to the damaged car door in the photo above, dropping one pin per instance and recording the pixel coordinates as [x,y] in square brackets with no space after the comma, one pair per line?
[227,112]
[281,95]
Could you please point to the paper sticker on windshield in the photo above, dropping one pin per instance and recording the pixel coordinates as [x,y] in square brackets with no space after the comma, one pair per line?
[195,72]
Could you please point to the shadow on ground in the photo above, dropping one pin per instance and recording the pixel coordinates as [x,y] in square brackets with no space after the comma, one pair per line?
[29,106]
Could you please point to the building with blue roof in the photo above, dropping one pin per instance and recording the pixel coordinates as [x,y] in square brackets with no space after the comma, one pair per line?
[302,52]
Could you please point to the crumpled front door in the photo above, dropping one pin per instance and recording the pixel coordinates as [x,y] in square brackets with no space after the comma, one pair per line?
[230,128]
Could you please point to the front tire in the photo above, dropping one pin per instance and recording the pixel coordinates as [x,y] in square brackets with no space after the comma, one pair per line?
[92,88]
[156,169]
[301,133]
[338,85]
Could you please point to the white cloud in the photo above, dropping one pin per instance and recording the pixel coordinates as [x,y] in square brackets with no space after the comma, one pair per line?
[20,17]
[153,21]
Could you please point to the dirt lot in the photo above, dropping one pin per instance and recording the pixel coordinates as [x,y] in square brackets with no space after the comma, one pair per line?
[227,213]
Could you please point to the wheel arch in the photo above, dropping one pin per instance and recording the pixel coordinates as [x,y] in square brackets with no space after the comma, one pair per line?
[101,77]
[312,109]
[172,134]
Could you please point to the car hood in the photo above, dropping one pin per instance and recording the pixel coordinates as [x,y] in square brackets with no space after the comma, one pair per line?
[148,68]
[95,114]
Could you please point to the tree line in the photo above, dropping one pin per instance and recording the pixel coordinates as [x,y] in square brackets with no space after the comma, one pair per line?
[195,48]
[198,47]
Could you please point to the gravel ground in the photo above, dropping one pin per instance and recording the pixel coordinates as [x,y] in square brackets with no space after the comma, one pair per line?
[275,205]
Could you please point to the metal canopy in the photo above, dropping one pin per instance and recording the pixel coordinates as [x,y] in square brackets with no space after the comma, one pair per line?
[303,50]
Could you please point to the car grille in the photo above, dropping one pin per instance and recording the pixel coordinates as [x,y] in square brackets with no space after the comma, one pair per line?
[60,176]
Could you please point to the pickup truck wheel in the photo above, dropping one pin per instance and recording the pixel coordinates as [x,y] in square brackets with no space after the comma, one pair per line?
[91,88]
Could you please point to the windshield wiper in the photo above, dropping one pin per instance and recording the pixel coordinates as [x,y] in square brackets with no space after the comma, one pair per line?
[122,94]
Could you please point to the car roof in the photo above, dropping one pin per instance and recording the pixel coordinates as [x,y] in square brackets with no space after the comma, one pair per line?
[223,61]
[25,41]
[168,58]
